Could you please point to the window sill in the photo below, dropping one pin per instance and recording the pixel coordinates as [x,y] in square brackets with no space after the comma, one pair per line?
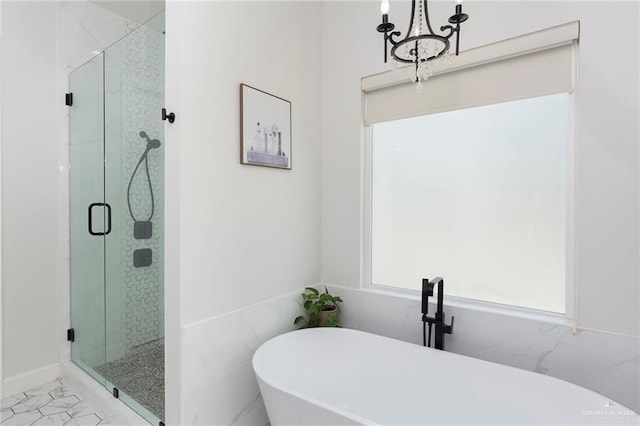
[477,305]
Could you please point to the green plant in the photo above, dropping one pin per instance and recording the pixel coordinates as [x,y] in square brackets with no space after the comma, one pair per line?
[314,303]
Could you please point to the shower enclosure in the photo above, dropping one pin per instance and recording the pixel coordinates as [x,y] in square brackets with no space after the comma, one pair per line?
[116,153]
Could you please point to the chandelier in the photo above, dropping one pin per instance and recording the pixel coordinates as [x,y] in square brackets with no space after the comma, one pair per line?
[421,46]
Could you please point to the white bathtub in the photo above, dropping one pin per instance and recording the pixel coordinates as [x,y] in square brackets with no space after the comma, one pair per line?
[332,376]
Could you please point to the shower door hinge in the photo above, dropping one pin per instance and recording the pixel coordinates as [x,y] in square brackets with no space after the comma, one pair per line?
[71,335]
[116,392]
[68,99]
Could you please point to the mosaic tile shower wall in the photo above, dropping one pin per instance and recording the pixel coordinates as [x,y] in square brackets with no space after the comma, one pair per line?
[142,97]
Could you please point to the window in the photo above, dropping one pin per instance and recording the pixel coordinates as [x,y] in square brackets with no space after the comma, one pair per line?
[477,196]
[471,178]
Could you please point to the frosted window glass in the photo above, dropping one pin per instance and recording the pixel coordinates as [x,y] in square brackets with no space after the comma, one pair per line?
[477,196]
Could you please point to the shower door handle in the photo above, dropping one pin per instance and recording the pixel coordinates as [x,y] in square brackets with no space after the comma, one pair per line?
[90,213]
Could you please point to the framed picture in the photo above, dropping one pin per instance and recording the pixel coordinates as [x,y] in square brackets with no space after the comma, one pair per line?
[265,129]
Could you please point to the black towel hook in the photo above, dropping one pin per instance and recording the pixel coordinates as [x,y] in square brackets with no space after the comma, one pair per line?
[171,117]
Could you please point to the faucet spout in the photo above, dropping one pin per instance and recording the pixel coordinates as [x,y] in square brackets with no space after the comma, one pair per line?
[439,281]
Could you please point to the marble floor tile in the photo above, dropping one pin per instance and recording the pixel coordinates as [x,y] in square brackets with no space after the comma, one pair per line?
[81,409]
[6,413]
[61,391]
[60,405]
[44,389]
[12,400]
[54,403]
[31,403]
[22,419]
[89,420]
[58,419]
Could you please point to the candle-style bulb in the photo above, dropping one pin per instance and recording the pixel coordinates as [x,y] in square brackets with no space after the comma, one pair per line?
[459,2]
[384,7]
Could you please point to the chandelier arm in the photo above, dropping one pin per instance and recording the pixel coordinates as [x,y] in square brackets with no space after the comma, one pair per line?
[391,35]
[447,27]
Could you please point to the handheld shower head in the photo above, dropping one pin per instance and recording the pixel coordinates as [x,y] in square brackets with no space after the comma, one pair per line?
[427,290]
[151,143]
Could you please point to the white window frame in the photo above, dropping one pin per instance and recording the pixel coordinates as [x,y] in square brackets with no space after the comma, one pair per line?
[529,43]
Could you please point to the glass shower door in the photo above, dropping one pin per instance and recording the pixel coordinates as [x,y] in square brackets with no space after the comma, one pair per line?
[117,218]
[134,187]
[87,215]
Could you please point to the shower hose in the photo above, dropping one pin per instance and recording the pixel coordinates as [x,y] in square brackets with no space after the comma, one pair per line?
[151,144]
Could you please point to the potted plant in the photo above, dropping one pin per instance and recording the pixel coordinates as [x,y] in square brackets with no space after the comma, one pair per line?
[322,309]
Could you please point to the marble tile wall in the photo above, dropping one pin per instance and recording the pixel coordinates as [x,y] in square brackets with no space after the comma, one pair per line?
[219,386]
[603,362]
[218,382]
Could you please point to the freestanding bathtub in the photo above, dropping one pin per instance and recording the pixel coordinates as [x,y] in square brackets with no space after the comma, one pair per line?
[334,376]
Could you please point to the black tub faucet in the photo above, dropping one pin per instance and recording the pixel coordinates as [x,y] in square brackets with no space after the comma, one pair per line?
[438,320]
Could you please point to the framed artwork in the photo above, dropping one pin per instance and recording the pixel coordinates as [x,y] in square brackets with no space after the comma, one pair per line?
[265,129]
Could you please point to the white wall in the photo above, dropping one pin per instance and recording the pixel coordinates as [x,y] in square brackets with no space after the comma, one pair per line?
[41,43]
[247,233]
[29,187]
[343,65]
[606,139]
[137,11]
[1,316]
[236,234]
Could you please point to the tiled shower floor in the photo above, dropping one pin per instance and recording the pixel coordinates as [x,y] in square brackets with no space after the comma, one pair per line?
[54,403]
[140,375]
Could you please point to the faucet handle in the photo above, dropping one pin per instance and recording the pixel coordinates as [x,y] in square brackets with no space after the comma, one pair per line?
[448,329]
